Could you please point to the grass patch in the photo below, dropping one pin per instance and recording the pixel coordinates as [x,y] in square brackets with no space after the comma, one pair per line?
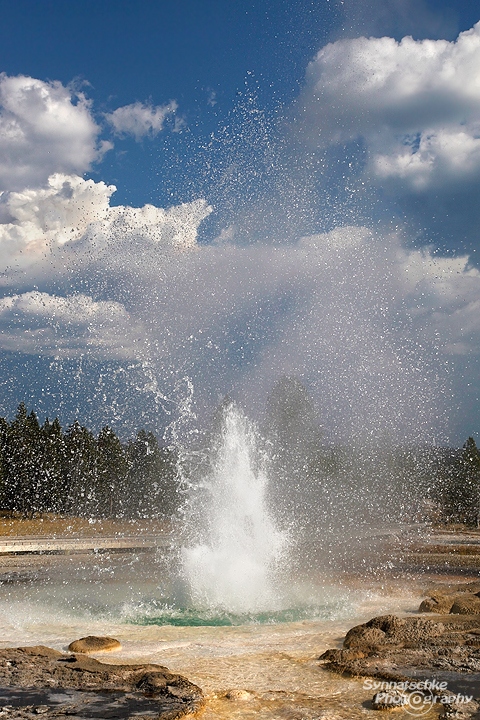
[60,526]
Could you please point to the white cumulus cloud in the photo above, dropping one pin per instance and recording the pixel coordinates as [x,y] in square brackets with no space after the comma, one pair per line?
[140,120]
[75,214]
[443,297]
[415,102]
[45,127]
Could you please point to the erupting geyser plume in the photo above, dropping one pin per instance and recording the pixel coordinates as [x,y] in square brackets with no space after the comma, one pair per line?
[234,564]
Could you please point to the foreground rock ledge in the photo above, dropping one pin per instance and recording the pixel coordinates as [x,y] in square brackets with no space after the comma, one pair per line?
[399,650]
[31,677]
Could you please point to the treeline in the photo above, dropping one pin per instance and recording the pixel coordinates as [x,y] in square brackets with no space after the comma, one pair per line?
[424,483]
[456,486]
[352,483]
[46,470]
[347,486]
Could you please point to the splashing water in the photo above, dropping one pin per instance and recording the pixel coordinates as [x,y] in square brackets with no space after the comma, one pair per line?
[235,565]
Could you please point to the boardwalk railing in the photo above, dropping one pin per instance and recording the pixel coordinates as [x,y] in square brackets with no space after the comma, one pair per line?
[71,545]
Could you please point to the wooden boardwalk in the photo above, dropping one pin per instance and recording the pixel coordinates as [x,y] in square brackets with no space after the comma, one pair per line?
[38,545]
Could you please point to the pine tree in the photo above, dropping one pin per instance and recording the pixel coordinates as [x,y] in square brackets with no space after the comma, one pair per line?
[152,479]
[460,483]
[44,470]
[470,492]
[52,459]
[23,467]
[80,473]
[4,428]
[112,474]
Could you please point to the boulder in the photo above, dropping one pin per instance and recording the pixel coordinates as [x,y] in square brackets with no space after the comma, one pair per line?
[239,695]
[463,603]
[403,652]
[94,644]
[389,630]
[441,604]
[466,605]
[398,649]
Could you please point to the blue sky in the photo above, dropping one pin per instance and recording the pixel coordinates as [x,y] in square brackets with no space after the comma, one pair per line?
[155,51]
[291,199]
[193,52]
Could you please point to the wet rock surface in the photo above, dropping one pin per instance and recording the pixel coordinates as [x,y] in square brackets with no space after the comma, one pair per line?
[463,601]
[41,682]
[466,606]
[401,652]
[392,647]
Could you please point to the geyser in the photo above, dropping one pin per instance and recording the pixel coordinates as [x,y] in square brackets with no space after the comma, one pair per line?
[234,558]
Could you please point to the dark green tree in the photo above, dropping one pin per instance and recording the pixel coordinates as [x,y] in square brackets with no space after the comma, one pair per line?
[23,477]
[112,475]
[4,429]
[52,456]
[44,470]
[80,472]
[469,498]
[458,485]
[153,489]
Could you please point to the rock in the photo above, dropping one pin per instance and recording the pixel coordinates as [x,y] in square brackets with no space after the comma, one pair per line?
[390,700]
[152,683]
[389,630]
[420,702]
[94,644]
[238,695]
[466,605]
[450,643]
[441,604]
[31,676]
[405,652]
[342,656]
[465,711]
[366,638]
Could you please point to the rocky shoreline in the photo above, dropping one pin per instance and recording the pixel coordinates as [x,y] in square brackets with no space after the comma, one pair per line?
[38,681]
[432,660]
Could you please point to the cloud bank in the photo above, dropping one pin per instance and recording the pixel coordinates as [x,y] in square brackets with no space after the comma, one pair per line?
[66,327]
[351,312]
[71,219]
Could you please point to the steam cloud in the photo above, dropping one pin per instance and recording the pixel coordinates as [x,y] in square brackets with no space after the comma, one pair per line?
[329,308]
